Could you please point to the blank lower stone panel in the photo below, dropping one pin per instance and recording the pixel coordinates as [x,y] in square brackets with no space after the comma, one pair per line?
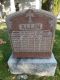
[41,67]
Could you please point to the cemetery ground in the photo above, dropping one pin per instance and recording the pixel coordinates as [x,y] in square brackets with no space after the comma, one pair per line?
[5,52]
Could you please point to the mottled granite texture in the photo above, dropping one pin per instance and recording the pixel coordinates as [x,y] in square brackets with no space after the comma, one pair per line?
[41,67]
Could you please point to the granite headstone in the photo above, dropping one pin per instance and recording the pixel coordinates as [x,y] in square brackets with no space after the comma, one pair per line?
[32,33]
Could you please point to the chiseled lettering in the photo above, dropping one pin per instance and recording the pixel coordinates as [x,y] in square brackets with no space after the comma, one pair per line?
[30,26]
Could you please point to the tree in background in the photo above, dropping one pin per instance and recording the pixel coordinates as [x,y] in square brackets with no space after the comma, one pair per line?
[4,4]
[51,5]
[56,7]
[47,5]
[2,9]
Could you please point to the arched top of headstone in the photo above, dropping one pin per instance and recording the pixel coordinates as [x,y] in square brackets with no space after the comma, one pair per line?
[31,16]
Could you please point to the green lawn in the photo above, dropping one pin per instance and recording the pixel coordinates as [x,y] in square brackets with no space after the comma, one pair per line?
[5,52]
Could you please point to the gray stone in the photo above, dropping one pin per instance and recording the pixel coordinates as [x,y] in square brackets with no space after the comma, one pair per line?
[40,67]
[22,77]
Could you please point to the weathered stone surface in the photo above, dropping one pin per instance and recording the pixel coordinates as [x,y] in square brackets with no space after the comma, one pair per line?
[32,33]
[41,67]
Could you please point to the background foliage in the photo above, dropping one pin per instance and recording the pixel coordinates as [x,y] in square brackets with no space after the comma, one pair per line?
[51,5]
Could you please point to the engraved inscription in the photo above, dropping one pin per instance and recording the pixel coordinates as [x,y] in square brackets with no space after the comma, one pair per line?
[37,26]
[31,41]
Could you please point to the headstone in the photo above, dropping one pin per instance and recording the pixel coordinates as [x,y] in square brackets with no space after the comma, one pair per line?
[32,33]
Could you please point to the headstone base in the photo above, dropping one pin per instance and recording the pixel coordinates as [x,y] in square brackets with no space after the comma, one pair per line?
[40,67]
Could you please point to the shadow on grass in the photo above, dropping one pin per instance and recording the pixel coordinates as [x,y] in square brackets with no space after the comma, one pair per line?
[5,49]
[5,52]
[56,48]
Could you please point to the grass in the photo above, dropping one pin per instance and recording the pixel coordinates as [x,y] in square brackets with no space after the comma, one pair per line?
[5,52]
